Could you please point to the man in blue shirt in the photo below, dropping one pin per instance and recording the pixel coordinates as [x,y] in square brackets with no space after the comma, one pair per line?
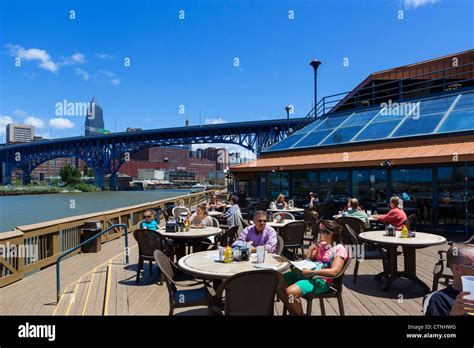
[453,300]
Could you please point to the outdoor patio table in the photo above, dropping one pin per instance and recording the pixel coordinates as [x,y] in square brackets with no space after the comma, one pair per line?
[196,234]
[289,210]
[203,265]
[277,225]
[409,246]
[215,213]
[371,218]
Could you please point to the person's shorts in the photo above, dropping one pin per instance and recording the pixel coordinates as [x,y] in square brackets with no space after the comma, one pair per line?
[306,285]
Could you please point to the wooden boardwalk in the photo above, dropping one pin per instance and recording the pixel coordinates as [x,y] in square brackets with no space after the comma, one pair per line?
[102,284]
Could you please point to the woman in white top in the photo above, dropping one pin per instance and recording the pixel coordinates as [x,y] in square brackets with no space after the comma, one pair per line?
[201,217]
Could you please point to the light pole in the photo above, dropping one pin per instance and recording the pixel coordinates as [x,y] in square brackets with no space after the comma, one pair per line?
[288,109]
[315,64]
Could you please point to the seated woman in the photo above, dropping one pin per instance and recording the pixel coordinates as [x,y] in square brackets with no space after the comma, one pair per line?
[396,216]
[201,217]
[149,223]
[214,204]
[313,201]
[328,256]
[280,202]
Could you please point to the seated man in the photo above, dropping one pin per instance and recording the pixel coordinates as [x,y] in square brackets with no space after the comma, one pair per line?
[355,211]
[451,300]
[260,234]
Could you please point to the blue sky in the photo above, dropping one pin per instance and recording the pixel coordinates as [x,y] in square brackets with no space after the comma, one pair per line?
[191,61]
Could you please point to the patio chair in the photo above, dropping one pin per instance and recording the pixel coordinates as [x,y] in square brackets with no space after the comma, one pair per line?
[205,243]
[350,235]
[148,241]
[229,236]
[178,210]
[215,222]
[264,205]
[442,270]
[411,222]
[335,291]
[280,245]
[245,224]
[325,211]
[311,219]
[293,236]
[248,293]
[181,298]
[287,216]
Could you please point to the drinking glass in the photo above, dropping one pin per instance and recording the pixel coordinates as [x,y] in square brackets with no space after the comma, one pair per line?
[260,254]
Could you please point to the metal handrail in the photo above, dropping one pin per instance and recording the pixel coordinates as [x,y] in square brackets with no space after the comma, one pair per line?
[58,261]
[394,88]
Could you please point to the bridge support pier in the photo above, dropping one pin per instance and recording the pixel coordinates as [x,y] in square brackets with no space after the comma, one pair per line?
[6,174]
[99,179]
[113,182]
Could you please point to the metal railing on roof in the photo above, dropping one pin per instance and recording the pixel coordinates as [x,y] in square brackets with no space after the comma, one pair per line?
[418,86]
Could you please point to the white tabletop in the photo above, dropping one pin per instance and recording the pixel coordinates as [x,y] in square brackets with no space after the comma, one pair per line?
[420,240]
[371,218]
[275,224]
[192,233]
[215,213]
[289,210]
[202,265]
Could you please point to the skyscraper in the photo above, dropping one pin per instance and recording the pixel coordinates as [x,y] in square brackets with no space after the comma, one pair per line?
[94,119]
[19,133]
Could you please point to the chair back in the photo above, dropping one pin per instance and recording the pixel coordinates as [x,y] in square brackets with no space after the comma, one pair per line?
[325,211]
[178,210]
[280,245]
[293,233]
[287,216]
[338,280]
[148,241]
[350,236]
[165,266]
[244,223]
[356,224]
[250,293]
[264,205]
[215,222]
[229,236]
[411,222]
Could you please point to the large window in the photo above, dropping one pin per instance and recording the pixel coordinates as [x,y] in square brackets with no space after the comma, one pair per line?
[414,187]
[370,187]
[455,192]
[334,186]
[302,183]
[277,183]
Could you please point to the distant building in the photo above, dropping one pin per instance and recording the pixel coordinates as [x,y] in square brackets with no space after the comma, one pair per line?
[20,133]
[94,119]
[52,168]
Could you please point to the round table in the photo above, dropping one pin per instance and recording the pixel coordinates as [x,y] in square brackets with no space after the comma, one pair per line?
[289,210]
[409,246]
[277,225]
[196,234]
[215,213]
[371,218]
[202,265]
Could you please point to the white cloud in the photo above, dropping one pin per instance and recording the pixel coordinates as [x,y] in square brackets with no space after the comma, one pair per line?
[29,75]
[84,74]
[104,56]
[34,121]
[20,113]
[413,4]
[60,123]
[4,121]
[214,120]
[76,58]
[42,56]
[147,119]
[110,76]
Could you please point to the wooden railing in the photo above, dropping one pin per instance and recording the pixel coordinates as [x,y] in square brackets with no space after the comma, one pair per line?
[33,247]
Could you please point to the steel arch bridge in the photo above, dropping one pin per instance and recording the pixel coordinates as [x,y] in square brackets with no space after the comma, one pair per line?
[105,154]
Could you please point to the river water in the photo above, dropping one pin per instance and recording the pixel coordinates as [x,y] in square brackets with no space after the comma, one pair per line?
[29,209]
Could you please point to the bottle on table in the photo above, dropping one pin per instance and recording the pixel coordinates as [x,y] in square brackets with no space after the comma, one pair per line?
[228,255]
[404,231]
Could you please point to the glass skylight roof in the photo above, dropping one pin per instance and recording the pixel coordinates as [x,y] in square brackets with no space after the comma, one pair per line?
[444,114]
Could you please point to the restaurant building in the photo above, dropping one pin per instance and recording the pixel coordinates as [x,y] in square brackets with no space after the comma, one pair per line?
[407,131]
